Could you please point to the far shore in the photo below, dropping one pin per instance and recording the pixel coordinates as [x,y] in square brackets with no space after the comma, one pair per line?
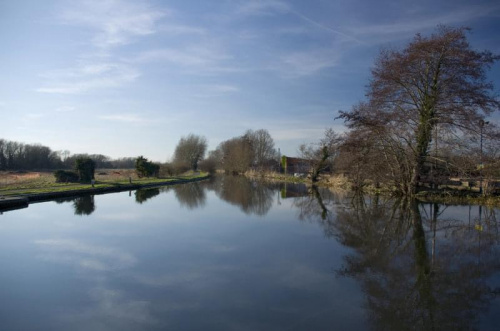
[340,183]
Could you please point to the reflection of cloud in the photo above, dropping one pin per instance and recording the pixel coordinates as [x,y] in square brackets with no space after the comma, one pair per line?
[89,257]
[112,311]
[120,217]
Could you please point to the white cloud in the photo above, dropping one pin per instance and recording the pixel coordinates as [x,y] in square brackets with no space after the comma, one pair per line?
[216,90]
[179,29]
[116,22]
[33,116]
[308,62]
[263,7]
[127,118]
[65,109]
[297,134]
[88,77]
[187,56]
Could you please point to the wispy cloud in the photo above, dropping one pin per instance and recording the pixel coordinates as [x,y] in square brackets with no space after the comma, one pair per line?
[65,109]
[262,7]
[115,22]
[180,29]
[33,116]
[125,118]
[190,56]
[306,63]
[88,77]
[419,22]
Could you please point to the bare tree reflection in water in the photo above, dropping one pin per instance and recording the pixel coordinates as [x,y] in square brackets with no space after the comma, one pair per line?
[190,195]
[250,196]
[144,195]
[316,205]
[418,271]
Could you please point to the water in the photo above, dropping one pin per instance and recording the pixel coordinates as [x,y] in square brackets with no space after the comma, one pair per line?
[231,254]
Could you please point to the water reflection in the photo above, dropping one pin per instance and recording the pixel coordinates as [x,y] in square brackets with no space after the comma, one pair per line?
[143,195]
[400,265]
[250,196]
[83,205]
[190,195]
[419,271]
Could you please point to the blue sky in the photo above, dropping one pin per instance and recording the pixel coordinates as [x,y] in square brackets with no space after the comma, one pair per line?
[128,78]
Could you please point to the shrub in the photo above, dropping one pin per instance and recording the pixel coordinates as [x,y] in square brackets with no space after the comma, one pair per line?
[85,167]
[64,176]
[145,168]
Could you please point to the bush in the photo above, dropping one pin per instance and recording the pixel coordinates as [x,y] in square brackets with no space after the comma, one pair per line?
[85,167]
[64,176]
[145,168]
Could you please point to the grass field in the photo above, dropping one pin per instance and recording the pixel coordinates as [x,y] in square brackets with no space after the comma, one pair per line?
[15,183]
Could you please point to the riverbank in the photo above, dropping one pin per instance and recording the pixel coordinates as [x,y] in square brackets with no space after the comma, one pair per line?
[341,183]
[15,198]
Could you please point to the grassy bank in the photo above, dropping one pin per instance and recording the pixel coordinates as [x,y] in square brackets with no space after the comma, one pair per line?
[43,183]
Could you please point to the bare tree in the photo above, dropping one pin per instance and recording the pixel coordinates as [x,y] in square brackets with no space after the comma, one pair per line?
[237,155]
[190,150]
[322,154]
[439,80]
[263,147]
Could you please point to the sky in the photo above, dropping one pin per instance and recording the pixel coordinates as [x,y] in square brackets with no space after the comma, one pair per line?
[128,78]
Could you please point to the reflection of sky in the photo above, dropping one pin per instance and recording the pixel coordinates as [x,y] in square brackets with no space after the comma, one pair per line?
[154,266]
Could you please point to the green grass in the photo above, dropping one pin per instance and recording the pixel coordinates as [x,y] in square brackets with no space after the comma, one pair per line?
[47,185]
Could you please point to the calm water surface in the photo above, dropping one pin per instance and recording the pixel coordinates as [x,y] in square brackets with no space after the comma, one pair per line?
[231,254]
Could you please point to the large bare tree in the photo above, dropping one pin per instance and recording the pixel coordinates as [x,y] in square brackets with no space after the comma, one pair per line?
[435,81]
[263,147]
[190,150]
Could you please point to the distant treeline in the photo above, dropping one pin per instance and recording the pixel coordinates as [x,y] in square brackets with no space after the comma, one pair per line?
[19,156]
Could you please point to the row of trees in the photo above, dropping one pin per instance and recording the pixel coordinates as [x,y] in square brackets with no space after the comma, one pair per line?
[19,156]
[252,150]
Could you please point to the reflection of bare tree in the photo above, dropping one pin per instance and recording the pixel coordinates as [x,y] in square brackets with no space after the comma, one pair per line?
[191,195]
[143,195]
[412,282]
[84,205]
[316,205]
[250,196]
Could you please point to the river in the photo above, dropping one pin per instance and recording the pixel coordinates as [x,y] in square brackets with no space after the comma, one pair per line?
[234,254]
